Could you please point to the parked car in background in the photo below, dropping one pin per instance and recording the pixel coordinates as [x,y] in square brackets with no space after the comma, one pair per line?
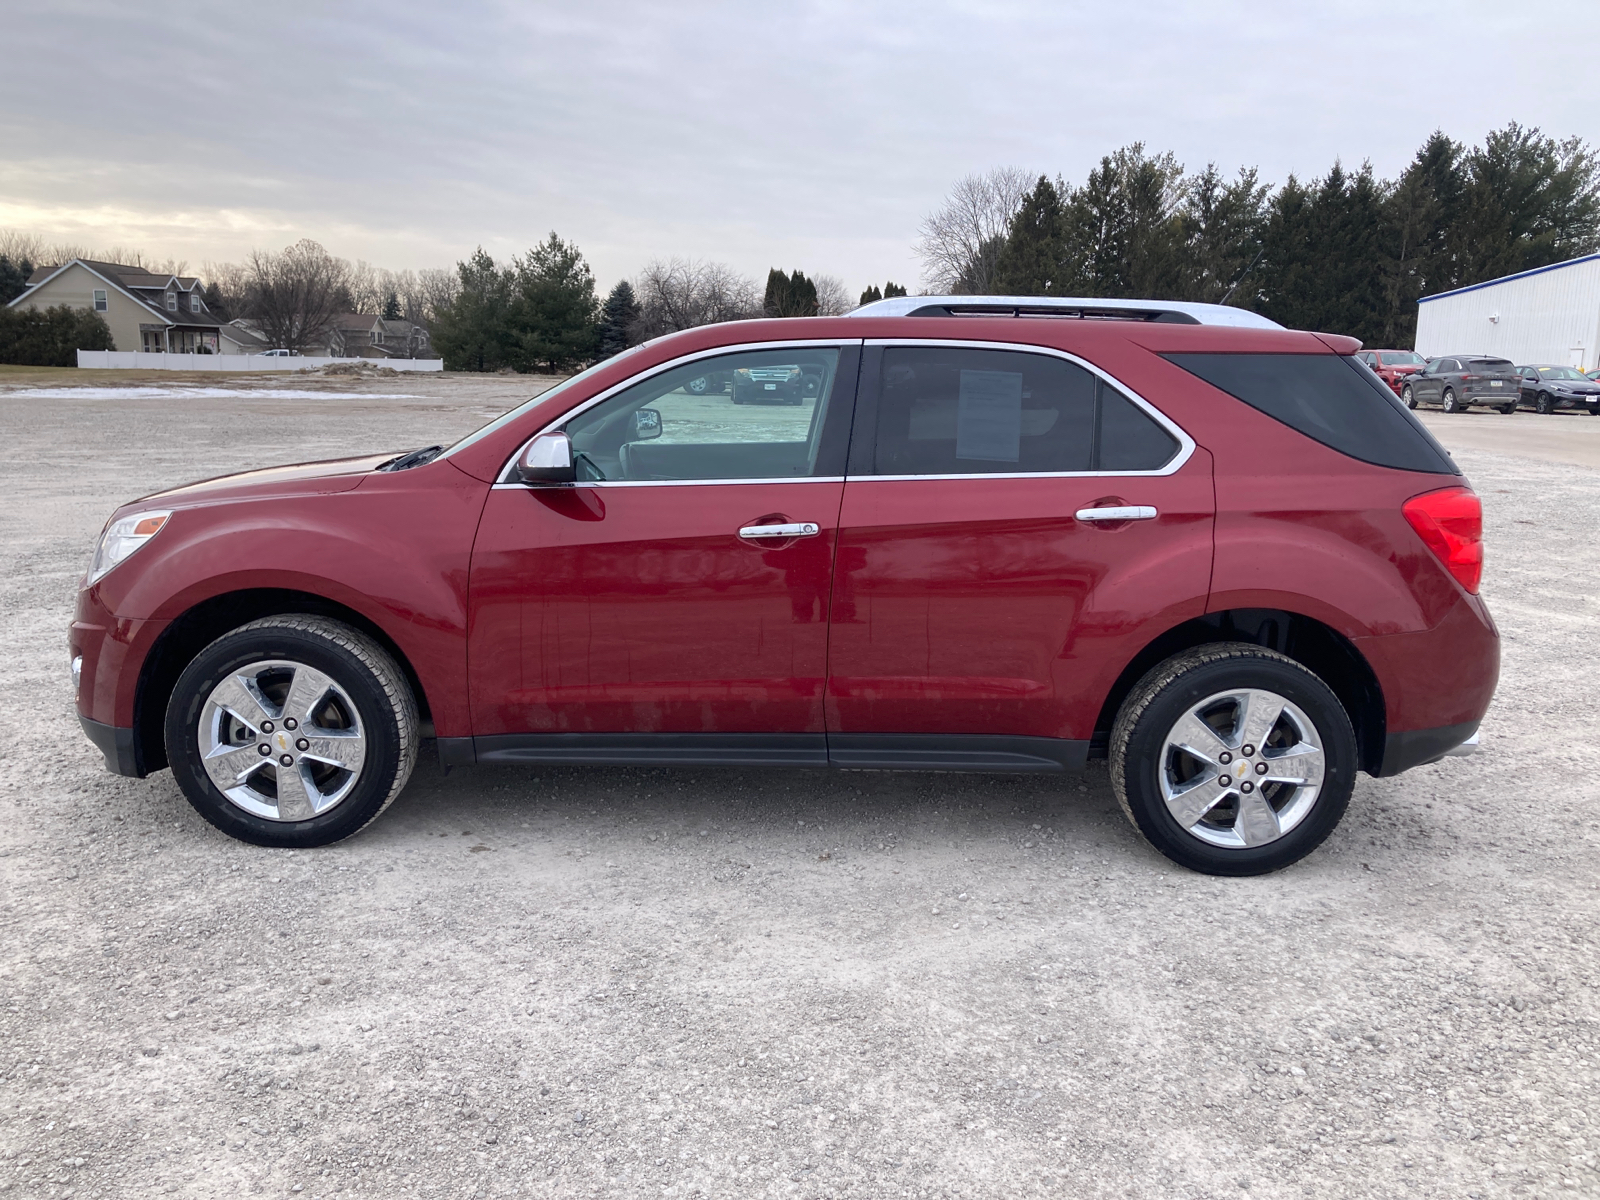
[280,353]
[1456,382]
[1393,366]
[1548,388]
[1594,374]
[1216,552]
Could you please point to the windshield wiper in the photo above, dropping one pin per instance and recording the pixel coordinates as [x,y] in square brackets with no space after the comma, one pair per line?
[415,459]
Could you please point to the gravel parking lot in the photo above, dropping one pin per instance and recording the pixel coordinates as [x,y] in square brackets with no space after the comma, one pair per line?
[571,982]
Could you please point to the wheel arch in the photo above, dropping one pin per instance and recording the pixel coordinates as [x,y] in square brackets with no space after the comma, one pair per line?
[1314,645]
[200,625]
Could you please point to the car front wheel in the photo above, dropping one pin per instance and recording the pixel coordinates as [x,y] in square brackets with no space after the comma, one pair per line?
[292,731]
[1232,759]
[1541,405]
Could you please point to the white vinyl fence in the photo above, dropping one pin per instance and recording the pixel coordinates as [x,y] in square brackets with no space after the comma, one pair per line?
[139,360]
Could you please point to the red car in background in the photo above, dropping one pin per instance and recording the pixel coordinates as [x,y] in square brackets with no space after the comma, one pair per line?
[994,535]
[1392,366]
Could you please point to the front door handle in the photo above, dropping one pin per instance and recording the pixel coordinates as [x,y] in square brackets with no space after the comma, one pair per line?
[1120,512]
[792,529]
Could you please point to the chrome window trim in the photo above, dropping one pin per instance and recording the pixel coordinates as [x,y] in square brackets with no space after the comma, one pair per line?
[716,351]
[1186,444]
[633,483]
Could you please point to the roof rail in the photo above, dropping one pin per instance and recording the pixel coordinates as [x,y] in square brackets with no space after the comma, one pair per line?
[1178,312]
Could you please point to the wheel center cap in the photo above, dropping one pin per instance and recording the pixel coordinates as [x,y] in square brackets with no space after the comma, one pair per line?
[282,740]
[1241,769]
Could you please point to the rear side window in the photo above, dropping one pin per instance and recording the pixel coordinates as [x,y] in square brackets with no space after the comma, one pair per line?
[1329,398]
[947,410]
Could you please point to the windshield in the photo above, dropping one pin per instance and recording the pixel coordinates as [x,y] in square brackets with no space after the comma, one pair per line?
[506,418]
[1400,358]
[1563,373]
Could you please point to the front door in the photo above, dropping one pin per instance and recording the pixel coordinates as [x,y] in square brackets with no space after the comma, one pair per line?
[673,604]
[1013,529]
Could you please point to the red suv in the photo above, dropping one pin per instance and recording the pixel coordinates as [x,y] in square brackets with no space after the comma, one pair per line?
[1392,366]
[992,536]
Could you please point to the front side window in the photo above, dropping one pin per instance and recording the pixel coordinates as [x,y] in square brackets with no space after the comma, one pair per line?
[100,300]
[949,410]
[753,415]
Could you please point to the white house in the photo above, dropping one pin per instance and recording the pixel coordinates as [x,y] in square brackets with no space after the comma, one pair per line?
[1546,315]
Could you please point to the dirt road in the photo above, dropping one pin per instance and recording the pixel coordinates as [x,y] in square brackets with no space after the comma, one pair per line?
[575,982]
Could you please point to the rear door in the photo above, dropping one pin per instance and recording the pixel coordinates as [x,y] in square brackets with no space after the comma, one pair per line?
[1013,525]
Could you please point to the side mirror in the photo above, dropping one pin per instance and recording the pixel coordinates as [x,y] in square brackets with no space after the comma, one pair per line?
[646,424]
[548,460]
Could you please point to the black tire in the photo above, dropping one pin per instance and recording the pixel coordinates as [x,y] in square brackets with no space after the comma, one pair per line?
[1168,692]
[1507,409]
[361,669]
[1542,405]
[698,386]
[1449,402]
[1594,410]
[1405,394]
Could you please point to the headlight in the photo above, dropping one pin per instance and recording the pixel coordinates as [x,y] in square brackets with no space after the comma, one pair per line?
[121,538]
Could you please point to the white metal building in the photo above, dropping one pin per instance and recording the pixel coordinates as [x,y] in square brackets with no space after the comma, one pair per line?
[1547,315]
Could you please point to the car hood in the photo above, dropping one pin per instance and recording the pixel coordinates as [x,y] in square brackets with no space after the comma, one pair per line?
[298,479]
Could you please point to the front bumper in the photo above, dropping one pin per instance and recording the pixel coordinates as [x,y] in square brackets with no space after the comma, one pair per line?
[118,746]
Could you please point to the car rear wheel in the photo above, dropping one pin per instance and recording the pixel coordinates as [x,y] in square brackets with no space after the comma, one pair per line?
[1405,394]
[292,731]
[1450,403]
[1232,759]
[698,386]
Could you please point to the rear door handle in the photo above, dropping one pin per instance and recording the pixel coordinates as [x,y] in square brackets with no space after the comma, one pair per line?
[1122,512]
[794,529]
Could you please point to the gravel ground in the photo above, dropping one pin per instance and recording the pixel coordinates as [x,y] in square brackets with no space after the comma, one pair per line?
[559,982]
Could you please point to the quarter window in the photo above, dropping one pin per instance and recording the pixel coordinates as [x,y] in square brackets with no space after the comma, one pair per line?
[100,300]
[753,415]
[945,410]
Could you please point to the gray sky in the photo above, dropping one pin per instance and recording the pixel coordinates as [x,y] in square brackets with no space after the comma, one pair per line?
[814,136]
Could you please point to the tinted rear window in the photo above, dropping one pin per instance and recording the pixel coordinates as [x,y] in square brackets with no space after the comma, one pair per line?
[1492,364]
[1329,398]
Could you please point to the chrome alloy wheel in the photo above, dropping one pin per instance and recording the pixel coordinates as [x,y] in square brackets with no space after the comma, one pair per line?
[281,740]
[1241,768]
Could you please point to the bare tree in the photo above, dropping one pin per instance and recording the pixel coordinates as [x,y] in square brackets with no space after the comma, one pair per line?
[832,298]
[436,289]
[295,295]
[17,246]
[679,293]
[961,240]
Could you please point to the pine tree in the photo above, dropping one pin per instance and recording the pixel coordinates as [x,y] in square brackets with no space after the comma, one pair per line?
[13,278]
[554,314]
[789,295]
[891,290]
[472,332]
[617,316]
[872,294]
[1032,259]
[391,306]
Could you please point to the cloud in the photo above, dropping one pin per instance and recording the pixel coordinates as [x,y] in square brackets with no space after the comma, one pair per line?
[796,135]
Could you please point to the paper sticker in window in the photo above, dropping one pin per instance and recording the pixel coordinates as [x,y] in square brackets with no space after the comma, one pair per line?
[989,416]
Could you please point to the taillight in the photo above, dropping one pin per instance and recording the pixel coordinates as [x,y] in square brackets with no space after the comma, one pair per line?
[1450,521]
[1468,378]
